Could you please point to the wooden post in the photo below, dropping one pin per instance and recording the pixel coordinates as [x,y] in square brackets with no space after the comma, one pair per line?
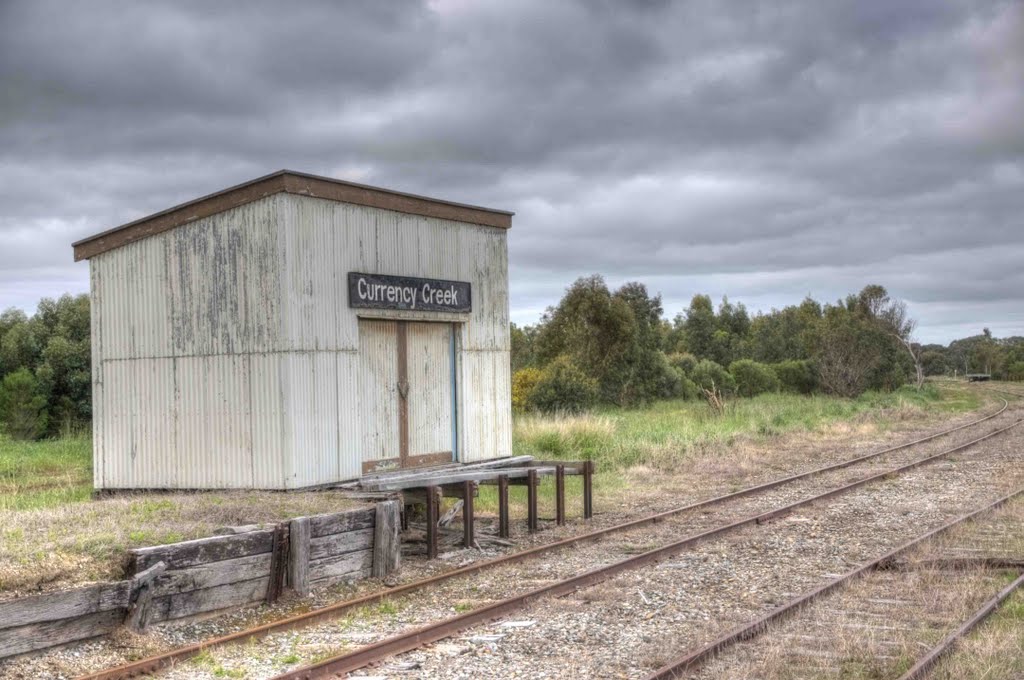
[141,595]
[298,555]
[433,510]
[387,547]
[278,562]
[503,506]
[531,500]
[560,495]
[468,490]
[588,489]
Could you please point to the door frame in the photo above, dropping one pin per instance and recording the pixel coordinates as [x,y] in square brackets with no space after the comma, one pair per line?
[404,460]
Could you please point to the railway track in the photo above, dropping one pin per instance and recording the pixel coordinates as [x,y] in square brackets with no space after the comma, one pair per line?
[877,618]
[703,520]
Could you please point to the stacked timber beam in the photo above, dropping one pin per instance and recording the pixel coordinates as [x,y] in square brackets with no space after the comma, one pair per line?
[428,487]
[194,577]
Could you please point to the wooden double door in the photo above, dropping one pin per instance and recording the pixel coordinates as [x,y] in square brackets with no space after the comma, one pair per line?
[407,389]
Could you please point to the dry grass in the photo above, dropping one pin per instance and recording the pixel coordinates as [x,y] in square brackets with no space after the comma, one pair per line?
[878,626]
[86,541]
[994,652]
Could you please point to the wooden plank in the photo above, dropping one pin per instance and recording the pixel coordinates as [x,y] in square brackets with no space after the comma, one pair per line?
[65,604]
[454,467]
[503,510]
[387,546]
[419,496]
[336,523]
[560,495]
[278,563]
[531,501]
[467,513]
[342,565]
[368,482]
[433,507]
[455,478]
[213,574]
[338,544]
[203,550]
[299,556]
[141,598]
[49,633]
[209,599]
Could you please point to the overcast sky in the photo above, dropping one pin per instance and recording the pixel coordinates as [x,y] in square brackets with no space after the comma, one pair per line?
[764,151]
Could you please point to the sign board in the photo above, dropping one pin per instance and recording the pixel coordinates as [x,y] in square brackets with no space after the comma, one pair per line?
[377,291]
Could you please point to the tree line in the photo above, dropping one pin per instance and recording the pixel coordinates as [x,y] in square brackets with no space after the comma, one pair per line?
[603,346]
[45,377]
[595,346]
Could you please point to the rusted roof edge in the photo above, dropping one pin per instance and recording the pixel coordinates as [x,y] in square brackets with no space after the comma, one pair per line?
[287,181]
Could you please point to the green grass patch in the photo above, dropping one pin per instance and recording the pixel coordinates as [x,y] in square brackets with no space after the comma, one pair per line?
[661,435]
[657,435]
[45,473]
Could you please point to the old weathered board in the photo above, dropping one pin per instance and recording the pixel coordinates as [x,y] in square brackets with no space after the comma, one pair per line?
[348,565]
[298,556]
[378,291]
[203,550]
[387,548]
[205,575]
[143,585]
[63,605]
[337,544]
[49,633]
[213,574]
[194,602]
[324,525]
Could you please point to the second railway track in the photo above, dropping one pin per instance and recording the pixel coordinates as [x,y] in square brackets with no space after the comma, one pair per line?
[697,521]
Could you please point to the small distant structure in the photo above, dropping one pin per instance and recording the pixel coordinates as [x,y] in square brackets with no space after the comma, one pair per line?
[978,377]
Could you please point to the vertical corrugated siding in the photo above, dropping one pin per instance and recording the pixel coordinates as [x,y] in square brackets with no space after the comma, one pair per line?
[225,353]
[213,422]
[485,419]
[349,416]
[311,408]
[175,316]
[430,393]
[267,419]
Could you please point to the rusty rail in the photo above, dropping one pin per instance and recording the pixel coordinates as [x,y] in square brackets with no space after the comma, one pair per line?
[423,635]
[926,663]
[691,660]
[154,663]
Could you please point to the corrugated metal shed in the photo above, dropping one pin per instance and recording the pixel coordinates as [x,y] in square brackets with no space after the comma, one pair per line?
[226,353]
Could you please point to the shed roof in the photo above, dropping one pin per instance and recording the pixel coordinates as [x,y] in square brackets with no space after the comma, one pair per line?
[291,182]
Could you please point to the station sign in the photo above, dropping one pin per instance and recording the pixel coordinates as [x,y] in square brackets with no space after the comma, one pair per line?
[377,291]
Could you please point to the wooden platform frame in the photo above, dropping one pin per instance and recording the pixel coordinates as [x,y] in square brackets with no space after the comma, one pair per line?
[428,487]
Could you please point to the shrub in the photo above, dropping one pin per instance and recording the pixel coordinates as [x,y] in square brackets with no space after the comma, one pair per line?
[1015,371]
[684,363]
[523,383]
[709,375]
[563,387]
[688,389]
[22,407]
[796,376]
[753,378]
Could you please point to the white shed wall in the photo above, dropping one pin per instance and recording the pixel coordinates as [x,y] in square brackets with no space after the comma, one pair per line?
[225,353]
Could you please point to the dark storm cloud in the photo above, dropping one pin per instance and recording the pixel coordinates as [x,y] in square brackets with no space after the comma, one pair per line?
[764,151]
